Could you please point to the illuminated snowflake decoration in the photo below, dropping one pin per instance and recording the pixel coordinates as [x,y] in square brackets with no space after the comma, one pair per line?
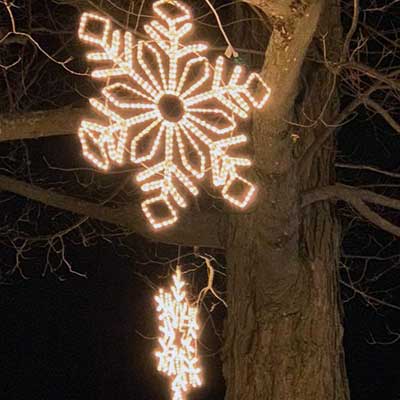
[168,109]
[178,341]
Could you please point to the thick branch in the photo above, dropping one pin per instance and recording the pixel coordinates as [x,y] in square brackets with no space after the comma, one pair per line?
[285,55]
[36,124]
[358,198]
[275,8]
[195,229]
[353,28]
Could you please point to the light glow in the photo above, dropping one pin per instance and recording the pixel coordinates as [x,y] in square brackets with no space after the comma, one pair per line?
[177,354]
[145,81]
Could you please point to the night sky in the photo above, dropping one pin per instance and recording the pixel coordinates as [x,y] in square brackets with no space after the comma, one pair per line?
[66,336]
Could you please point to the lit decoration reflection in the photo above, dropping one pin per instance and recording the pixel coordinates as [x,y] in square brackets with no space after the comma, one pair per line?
[167,108]
[178,338]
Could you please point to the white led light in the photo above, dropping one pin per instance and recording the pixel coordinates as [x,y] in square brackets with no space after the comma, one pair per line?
[177,355]
[169,109]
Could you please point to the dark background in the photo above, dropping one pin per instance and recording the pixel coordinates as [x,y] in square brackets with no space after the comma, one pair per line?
[64,336]
[94,338]
[86,338]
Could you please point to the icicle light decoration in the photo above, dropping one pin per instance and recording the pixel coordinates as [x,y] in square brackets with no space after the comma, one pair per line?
[168,109]
[178,338]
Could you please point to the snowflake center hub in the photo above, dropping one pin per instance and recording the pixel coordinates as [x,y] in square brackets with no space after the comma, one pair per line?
[171,107]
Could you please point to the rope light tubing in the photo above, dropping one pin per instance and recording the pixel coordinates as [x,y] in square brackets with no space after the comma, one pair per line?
[177,354]
[167,108]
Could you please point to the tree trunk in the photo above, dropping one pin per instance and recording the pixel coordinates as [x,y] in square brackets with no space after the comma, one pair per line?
[284,333]
[284,329]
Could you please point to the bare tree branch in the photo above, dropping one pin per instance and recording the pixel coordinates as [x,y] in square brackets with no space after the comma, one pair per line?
[389,79]
[36,124]
[352,30]
[368,168]
[285,53]
[343,116]
[385,38]
[370,299]
[196,229]
[384,114]
[276,8]
[308,155]
[358,198]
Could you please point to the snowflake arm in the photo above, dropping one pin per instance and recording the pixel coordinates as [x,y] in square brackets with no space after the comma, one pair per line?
[170,109]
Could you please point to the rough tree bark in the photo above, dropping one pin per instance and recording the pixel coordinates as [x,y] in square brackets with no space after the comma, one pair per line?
[283,334]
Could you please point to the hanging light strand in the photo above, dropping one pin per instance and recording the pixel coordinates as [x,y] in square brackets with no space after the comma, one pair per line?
[177,354]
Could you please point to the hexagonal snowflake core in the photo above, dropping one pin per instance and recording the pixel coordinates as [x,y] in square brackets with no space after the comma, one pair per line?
[171,107]
[181,105]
